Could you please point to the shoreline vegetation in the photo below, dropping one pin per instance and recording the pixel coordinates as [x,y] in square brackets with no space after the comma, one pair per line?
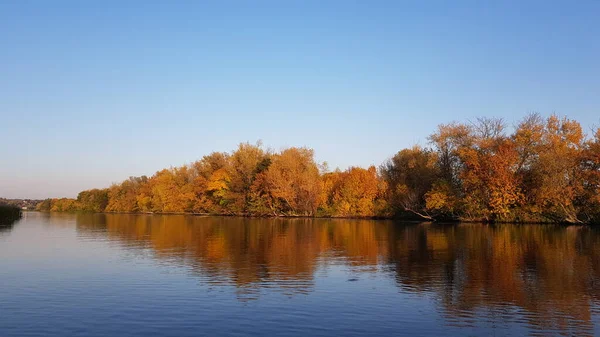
[9,214]
[404,218]
[545,170]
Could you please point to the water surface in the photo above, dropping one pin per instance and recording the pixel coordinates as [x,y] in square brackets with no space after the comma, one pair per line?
[140,275]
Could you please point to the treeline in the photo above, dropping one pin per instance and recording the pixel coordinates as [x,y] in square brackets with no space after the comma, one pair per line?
[21,203]
[545,170]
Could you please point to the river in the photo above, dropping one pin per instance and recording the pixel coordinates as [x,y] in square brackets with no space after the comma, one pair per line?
[171,275]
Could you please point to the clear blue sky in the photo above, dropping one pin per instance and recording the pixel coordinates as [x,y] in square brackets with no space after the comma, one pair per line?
[92,92]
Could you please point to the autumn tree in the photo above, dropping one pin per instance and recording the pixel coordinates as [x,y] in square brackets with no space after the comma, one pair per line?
[172,191]
[446,193]
[443,201]
[329,182]
[292,178]
[94,200]
[143,188]
[447,141]
[125,197]
[355,192]
[489,181]
[44,206]
[64,205]
[245,164]
[590,166]
[410,174]
[211,182]
[557,182]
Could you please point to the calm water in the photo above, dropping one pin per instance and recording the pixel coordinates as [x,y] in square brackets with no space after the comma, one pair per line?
[139,275]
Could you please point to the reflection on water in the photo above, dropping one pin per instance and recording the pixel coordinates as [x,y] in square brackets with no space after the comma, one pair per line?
[139,275]
[6,225]
[548,274]
[248,253]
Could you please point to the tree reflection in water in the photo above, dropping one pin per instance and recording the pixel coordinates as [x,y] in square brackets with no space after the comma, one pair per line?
[547,274]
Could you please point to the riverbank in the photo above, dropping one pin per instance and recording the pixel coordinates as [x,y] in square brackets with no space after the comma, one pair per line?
[9,214]
[404,219]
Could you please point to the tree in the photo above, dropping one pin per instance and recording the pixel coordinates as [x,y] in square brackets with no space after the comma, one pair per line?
[44,206]
[172,191]
[409,175]
[293,181]
[489,179]
[557,182]
[94,200]
[245,163]
[448,140]
[354,192]
[442,200]
[64,205]
[125,197]
[211,182]
[590,165]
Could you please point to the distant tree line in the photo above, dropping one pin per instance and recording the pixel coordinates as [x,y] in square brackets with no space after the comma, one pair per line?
[21,203]
[545,170]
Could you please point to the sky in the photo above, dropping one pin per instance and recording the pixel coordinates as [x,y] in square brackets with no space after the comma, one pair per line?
[92,92]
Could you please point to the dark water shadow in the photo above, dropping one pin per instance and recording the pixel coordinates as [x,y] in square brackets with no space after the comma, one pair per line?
[7,224]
